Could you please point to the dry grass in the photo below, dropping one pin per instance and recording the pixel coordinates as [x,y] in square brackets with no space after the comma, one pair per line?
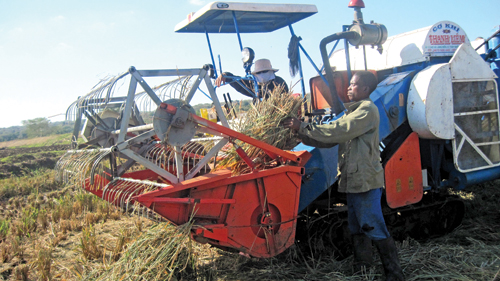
[158,254]
[472,252]
[30,185]
[51,244]
[89,246]
[43,219]
[27,224]
[121,241]
[262,122]
[43,263]
[21,272]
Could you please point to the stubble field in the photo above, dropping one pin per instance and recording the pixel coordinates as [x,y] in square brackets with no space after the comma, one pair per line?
[53,232]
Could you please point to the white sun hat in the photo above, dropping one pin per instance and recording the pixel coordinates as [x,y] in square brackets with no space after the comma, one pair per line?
[263,65]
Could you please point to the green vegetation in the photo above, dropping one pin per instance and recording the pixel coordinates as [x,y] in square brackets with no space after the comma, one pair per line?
[4,228]
[38,127]
[12,133]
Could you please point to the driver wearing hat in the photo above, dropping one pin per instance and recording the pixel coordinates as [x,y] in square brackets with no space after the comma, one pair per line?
[264,75]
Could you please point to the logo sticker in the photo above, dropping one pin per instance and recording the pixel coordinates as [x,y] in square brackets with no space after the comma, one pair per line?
[222,5]
[443,39]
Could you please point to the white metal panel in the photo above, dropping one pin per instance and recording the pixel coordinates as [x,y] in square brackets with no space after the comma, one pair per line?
[478,41]
[467,64]
[477,142]
[430,103]
[405,48]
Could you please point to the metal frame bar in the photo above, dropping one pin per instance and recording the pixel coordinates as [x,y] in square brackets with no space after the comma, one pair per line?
[216,102]
[135,139]
[471,142]
[136,129]
[347,56]
[237,30]
[475,146]
[144,86]
[487,143]
[128,109]
[178,162]
[476,112]
[196,84]
[169,72]
[211,53]
[192,200]
[76,128]
[206,158]
[138,158]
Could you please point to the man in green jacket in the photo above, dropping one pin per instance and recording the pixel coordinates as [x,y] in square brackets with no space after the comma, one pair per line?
[361,173]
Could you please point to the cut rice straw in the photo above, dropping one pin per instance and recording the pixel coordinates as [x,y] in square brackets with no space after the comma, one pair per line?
[158,254]
[262,122]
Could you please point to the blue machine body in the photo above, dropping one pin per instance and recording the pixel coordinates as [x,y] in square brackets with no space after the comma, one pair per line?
[495,60]
[390,97]
[320,173]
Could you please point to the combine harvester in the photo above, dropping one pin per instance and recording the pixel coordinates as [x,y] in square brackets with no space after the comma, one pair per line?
[438,104]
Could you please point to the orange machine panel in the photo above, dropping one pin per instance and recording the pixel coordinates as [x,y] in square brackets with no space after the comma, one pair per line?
[403,174]
[319,89]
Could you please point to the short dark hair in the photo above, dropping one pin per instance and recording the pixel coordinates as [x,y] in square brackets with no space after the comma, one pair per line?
[368,79]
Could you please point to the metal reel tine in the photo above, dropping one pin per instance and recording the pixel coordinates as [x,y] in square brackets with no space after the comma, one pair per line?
[76,166]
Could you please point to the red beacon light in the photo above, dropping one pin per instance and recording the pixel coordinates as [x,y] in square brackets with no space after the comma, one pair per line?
[356,4]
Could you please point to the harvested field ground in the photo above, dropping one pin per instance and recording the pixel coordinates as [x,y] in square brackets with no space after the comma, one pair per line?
[19,157]
[19,161]
[41,141]
[51,232]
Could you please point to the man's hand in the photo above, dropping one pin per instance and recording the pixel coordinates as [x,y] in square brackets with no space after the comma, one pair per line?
[220,80]
[291,122]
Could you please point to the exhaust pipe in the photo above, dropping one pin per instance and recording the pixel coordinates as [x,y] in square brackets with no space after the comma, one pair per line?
[358,34]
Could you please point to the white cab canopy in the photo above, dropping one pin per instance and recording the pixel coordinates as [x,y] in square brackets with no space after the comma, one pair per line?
[217,17]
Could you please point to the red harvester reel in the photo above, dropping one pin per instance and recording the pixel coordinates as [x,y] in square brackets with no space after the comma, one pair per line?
[162,170]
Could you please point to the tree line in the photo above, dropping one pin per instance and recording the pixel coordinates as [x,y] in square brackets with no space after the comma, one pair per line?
[40,127]
[32,128]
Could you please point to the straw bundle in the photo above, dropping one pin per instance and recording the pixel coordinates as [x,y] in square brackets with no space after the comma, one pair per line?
[158,254]
[262,122]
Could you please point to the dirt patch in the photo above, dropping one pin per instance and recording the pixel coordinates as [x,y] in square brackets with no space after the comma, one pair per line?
[23,160]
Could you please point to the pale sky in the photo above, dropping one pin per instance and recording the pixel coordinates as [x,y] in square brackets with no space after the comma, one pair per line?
[53,51]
